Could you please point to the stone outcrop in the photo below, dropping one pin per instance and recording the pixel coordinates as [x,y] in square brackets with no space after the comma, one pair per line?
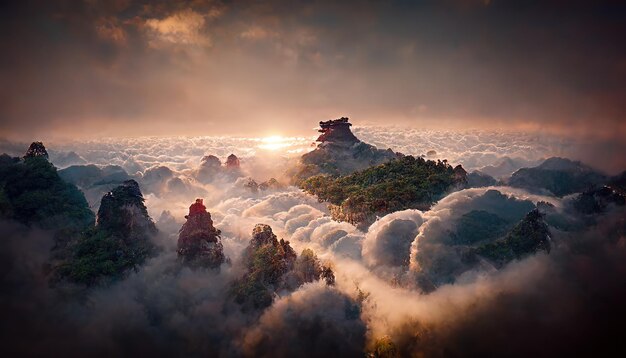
[36,149]
[123,212]
[210,161]
[210,166]
[336,131]
[339,153]
[120,242]
[232,162]
[199,243]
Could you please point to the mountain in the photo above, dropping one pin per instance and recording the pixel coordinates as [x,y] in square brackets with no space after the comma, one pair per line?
[211,168]
[480,240]
[507,166]
[478,179]
[94,181]
[339,152]
[33,193]
[618,183]
[403,183]
[273,266]
[596,201]
[199,243]
[120,241]
[65,159]
[560,176]
[528,237]
[87,176]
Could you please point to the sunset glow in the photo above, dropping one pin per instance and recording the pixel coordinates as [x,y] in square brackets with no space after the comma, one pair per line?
[356,178]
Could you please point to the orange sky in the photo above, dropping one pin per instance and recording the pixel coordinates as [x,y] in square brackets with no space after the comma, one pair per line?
[84,69]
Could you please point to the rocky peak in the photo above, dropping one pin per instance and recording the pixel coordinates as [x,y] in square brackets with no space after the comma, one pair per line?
[199,242]
[36,149]
[232,162]
[336,131]
[262,235]
[564,164]
[120,241]
[210,161]
[460,175]
[339,153]
[122,210]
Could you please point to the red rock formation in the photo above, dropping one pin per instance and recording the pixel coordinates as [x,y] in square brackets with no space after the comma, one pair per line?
[196,208]
[199,243]
[232,162]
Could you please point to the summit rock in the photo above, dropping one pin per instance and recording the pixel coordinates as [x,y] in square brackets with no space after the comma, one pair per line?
[199,242]
[339,152]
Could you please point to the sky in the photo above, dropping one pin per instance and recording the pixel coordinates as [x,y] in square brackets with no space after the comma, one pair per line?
[122,68]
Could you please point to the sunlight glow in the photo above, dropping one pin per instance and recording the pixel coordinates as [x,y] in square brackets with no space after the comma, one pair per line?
[275,142]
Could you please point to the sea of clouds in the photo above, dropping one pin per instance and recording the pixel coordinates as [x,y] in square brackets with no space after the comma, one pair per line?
[536,306]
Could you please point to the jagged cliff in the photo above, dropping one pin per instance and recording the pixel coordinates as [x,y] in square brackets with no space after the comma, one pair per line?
[199,243]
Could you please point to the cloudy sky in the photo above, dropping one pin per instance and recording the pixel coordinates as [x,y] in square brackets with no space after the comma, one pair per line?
[88,68]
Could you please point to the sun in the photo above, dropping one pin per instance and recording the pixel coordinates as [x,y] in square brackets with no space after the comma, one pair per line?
[274,142]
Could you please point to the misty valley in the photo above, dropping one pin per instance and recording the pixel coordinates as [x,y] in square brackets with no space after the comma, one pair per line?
[443,244]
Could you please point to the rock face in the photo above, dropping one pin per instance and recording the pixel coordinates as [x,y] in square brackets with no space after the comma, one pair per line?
[122,211]
[199,243]
[336,131]
[339,153]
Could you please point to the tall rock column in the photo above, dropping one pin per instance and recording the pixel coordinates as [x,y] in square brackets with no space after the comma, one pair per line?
[199,243]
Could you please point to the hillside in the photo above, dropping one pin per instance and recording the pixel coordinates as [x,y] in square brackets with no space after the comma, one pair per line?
[404,183]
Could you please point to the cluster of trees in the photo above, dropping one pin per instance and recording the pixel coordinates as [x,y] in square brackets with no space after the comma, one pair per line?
[403,183]
[32,192]
[273,266]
